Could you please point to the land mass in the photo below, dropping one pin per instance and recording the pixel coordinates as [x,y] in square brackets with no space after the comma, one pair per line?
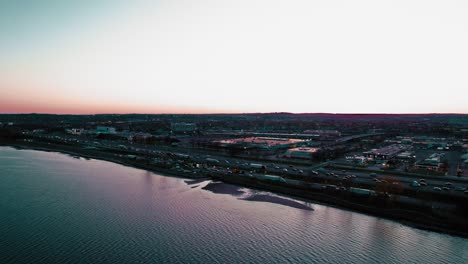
[413,218]
[408,167]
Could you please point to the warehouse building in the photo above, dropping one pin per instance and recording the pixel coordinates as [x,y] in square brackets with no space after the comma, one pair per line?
[301,152]
[261,143]
[183,127]
[387,152]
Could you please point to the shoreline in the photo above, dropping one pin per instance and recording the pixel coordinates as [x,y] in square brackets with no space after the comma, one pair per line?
[159,171]
[402,216]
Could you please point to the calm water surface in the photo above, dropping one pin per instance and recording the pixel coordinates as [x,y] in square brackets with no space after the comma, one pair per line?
[59,209]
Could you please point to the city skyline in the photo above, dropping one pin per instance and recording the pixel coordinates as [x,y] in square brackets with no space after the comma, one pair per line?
[93,57]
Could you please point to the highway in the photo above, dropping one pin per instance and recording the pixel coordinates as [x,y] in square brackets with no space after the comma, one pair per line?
[453,185]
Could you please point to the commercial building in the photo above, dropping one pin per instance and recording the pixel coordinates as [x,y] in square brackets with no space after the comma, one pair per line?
[76,131]
[433,162]
[261,142]
[105,130]
[38,131]
[387,152]
[324,133]
[301,152]
[406,141]
[425,142]
[266,134]
[360,160]
[183,127]
[464,160]
[407,155]
[140,137]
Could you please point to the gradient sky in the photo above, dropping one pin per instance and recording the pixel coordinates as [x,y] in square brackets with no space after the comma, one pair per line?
[92,56]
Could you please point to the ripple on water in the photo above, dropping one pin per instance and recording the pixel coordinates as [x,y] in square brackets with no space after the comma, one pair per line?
[57,208]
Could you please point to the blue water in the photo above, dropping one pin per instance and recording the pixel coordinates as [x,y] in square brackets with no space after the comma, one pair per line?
[58,209]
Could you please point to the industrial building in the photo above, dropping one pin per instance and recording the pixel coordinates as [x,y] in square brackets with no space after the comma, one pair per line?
[324,133]
[359,160]
[75,131]
[387,152]
[261,142]
[183,127]
[301,152]
[464,159]
[105,130]
[433,162]
[140,137]
[407,155]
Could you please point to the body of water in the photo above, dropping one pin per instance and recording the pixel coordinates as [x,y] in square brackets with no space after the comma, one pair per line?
[59,209]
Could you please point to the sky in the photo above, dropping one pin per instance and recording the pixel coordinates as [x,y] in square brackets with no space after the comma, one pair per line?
[220,56]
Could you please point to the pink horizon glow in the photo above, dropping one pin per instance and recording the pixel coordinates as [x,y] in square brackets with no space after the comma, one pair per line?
[223,56]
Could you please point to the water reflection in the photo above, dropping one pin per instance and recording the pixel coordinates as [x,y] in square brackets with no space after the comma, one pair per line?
[99,211]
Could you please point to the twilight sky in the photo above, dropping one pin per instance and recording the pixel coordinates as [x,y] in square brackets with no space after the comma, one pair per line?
[201,56]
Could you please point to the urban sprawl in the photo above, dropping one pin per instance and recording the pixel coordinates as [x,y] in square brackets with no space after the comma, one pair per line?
[408,167]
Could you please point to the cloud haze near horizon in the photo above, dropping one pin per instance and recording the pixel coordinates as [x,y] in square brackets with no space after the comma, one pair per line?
[234,56]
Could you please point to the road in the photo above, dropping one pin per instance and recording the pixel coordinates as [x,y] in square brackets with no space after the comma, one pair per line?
[359,177]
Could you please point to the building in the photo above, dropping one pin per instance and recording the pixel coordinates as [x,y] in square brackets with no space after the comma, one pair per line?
[324,133]
[76,131]
[105,130]
[183,127]
[140,137]
[376,131]
[301,152]
[433,162]
[464,157]
[407,141]
[360,160]
[261,142]
[38,131]
[407,156]
[387,152]
[465,148]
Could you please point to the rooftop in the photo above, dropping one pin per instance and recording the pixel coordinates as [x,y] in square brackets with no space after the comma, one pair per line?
[304,149]
[388,150]
[262,141]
